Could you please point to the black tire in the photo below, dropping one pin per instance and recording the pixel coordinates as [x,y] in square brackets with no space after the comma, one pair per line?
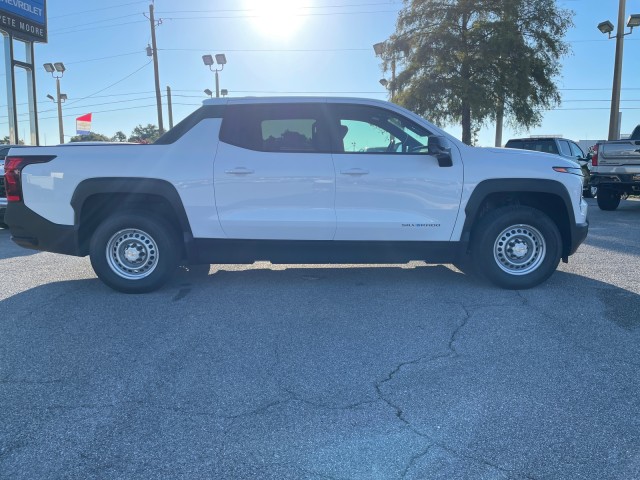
[134,252]
[608,199]
[516,247]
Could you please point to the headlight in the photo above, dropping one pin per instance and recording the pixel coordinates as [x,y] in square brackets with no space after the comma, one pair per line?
[573,170]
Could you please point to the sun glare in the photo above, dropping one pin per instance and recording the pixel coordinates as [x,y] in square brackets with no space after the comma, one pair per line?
[277,18]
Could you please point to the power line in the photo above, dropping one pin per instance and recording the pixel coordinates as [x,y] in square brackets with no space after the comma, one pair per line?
[95,28]
[113,84]
[84,107]
[203,17]
[74,28]
[270,50]
[98,9]
[594,89]
[97,21]
[308,7]
[105,58]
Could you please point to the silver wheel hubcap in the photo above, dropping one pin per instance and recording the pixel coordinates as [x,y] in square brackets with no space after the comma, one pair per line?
[519,249]
[132,254]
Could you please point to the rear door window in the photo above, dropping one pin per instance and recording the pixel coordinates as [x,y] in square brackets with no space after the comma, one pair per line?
[285,127]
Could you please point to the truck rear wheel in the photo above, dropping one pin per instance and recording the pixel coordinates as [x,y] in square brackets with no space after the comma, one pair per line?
[134,252]
[516,247]
[608,199]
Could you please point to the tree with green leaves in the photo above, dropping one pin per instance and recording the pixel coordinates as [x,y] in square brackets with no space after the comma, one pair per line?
[6,141]
[119,136]
[148,134]
[469,60]
[90,137]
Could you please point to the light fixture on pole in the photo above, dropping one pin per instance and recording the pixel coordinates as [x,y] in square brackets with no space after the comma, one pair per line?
[54,69]
[208,92]
[224,92]
[221,60]
[606,28]
[380,48]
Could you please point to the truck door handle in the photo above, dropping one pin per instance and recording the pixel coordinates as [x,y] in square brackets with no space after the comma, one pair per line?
[354,171]
[239,171]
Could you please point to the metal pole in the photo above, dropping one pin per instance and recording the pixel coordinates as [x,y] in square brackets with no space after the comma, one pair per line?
[60,127]
[169,106]
[33,104]
[393,77]
[155,67]
[217,86]
[11,93]
[617,74]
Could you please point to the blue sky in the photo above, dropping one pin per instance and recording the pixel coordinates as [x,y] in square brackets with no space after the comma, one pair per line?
[321,47]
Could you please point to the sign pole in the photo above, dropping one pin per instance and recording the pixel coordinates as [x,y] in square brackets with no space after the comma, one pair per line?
[11,99]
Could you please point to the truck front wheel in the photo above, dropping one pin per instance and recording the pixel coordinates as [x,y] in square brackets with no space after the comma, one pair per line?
[134,252]
[608,199]
[516,247]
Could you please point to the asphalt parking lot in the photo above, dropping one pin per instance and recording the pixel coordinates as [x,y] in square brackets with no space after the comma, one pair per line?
[324,373]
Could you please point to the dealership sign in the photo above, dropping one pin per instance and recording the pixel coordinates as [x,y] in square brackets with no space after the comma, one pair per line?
[24,19]
[83,124]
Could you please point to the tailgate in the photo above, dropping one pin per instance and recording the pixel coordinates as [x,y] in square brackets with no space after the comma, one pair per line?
[621,153]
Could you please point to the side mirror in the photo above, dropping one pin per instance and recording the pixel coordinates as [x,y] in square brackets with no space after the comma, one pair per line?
[439,147]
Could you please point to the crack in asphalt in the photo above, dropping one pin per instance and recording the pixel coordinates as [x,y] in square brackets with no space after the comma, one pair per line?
[414,459]
[255,412]
[294,397]
[452,353]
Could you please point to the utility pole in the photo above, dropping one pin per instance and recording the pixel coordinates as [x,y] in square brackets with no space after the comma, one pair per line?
[169,106]
[614,126]
[154,51]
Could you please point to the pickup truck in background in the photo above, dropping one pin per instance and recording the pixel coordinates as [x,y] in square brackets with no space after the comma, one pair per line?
[297,180]
[615,170]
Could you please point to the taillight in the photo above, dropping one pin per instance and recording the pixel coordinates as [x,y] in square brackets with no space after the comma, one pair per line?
[594,157]
[13,171]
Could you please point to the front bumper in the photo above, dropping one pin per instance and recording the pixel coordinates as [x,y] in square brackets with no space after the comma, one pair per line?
[30,230]
[578,235]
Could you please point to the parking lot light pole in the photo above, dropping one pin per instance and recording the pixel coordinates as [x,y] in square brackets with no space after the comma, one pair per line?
[606,28]
[379,49]
[54,68]
[221,60]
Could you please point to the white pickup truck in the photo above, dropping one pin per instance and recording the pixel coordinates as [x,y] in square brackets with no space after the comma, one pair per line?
[297,180]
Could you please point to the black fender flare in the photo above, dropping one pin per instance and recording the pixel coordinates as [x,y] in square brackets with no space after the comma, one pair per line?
[130,186]
[515,185]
